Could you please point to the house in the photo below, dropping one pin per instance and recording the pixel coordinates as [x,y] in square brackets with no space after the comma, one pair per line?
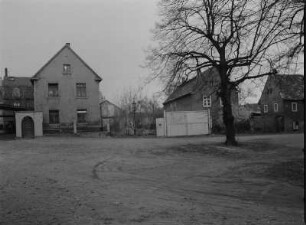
[200,94]
[248,118]
[16,94]
[66,91]
[110,117]
[246,111]
[282,103]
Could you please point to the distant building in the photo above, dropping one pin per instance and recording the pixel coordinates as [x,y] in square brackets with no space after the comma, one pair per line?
[249,118]
[246,111]
[111,117]
[16,94]
[66,91]
[282,103]
[201,93]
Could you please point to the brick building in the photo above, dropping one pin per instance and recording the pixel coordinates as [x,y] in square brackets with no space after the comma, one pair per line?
[111,117]
[16,94]
[282,103]
[200,93]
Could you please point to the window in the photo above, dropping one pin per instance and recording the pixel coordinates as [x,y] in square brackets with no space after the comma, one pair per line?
[206,101]
[269,91]
[53,90]
[81,89]
[221,103]
[53,116]
[275,107]
[265,108]
[294,107]
[66,69]
[82,115]
[295,125]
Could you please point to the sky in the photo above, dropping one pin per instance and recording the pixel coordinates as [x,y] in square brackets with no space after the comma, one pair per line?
[110,35]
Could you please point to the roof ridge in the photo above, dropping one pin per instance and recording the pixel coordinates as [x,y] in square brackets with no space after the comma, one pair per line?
[98,78]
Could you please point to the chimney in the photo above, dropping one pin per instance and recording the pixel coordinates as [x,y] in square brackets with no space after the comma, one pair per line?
[68,44]
[5,72]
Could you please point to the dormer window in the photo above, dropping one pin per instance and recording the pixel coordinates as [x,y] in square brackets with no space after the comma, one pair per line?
[16,93]
[66,69]
[269,91]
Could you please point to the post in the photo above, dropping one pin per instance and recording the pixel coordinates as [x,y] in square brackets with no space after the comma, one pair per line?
[74,127]
[134,110]
[135,121]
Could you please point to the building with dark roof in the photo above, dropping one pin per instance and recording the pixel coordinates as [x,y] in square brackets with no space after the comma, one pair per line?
[282,103]
[201,93]
[110,116]
[16,94]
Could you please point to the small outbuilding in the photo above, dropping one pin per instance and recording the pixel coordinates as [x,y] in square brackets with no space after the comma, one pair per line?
[29,124]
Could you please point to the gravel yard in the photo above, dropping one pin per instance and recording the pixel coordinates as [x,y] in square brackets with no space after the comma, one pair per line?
[192,181]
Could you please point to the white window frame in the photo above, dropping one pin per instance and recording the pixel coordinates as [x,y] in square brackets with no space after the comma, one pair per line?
[294,109]
[83,112]
[266,109]
[295,125]
[221,103]
[81,91]
[275,107]
[66,68]
[206,101]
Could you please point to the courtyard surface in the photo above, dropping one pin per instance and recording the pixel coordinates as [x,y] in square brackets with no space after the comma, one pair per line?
[192,181]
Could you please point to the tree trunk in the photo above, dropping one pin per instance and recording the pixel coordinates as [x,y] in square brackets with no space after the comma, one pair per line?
[228,118]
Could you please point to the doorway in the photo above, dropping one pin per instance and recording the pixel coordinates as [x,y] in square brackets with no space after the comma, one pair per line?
[27,127]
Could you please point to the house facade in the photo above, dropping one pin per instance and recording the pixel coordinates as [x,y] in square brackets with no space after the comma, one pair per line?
[66,91]
[282,103]
[200,93]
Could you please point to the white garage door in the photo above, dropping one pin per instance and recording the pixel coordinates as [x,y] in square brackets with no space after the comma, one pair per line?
[183,123]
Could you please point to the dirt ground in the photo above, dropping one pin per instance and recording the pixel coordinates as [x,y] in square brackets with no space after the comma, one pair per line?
[192,181]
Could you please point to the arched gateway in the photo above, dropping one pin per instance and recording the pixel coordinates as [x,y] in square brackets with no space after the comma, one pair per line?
[27,127]
[28,124]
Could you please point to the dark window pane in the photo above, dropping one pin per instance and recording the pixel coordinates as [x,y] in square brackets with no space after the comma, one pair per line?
[81,115]
[66,69]
[53,116]
[53,90]
[81,89]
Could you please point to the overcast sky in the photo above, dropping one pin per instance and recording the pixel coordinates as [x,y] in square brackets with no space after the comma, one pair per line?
[110,35]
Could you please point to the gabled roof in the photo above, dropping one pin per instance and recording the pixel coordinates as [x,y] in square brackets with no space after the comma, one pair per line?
[108,102]
[291,86]
[36,76]
[188,87]
[16,81]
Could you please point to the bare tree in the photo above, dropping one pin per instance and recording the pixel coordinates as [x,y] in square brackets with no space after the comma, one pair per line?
[147,109]
[242,39]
